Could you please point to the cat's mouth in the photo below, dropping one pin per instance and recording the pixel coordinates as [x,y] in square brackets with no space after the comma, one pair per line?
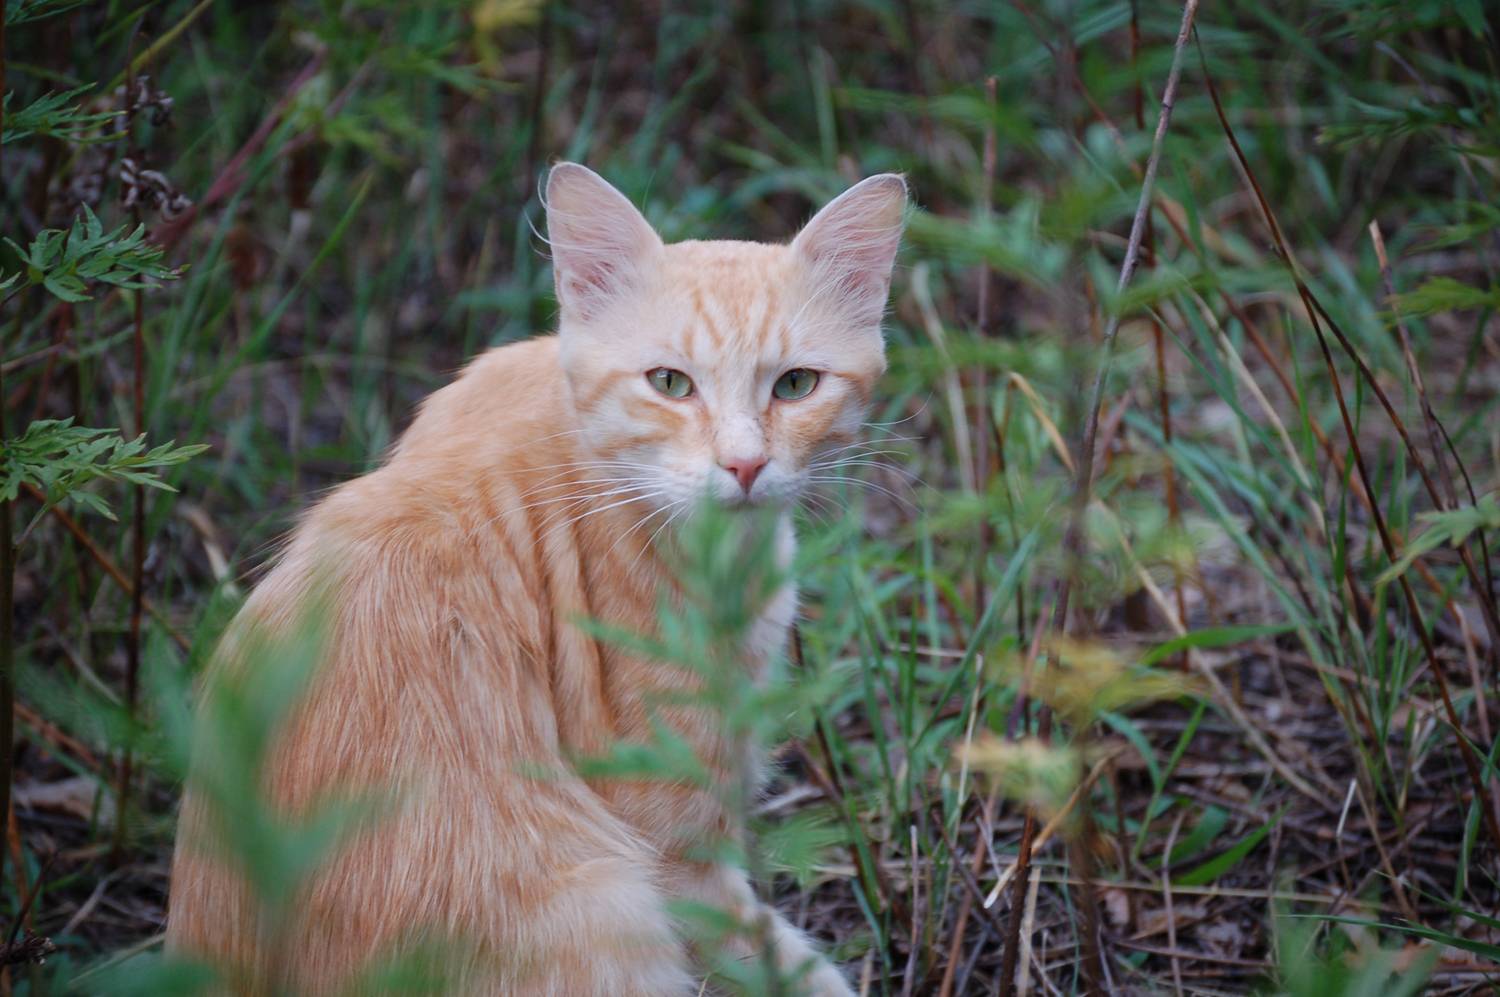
[758,498]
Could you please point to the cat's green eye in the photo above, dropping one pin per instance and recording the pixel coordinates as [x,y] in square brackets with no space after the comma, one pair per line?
[795,384]
[672,383]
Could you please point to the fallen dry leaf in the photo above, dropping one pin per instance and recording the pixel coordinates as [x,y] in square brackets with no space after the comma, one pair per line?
[75,797]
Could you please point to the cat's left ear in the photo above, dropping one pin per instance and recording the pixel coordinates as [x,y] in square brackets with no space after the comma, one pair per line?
[601,245]
[851,244]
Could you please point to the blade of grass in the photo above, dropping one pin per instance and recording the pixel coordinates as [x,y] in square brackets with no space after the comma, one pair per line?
[1315,311]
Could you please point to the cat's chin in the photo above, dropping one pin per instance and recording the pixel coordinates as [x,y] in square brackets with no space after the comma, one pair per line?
[745,503]
[755,502]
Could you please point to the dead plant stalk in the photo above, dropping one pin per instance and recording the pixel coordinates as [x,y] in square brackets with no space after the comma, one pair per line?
[1084,483]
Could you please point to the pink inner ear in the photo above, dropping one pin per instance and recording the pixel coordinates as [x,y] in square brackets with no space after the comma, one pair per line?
[859,269]
[851,244]
[590,280]
[601,245]
[864,279]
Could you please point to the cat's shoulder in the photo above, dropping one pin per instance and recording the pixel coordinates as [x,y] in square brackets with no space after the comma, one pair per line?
[503,386]
[455,457]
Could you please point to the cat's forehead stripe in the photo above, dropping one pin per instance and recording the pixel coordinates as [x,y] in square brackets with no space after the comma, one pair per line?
[704,312]
[736,320]
[767,312]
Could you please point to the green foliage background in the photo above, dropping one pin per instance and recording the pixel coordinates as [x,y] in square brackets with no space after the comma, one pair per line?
[309,214]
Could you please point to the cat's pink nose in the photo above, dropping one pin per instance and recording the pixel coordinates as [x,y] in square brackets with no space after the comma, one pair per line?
[745,470]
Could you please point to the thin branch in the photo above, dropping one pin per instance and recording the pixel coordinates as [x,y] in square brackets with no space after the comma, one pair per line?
[1436,437]
[1133,250]
[156,48]
[1158,339]
[110,567]
[232,175]
[982,278]
[137,578]
[1084,481]
[1054,824]
[1012,951]
[970,875]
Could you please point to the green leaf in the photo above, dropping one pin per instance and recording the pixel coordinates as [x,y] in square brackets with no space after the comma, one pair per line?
[147,974]
[1369,971]
[1226,636]
[51,115]
[19,12]
[1202,836]
[1220,864]
[1472,12]
[667,757]
[1451,526]
[1486,949]
[1142,744]
[66,287]
[799,844]
[61,460]
[66,262]
[1444,294]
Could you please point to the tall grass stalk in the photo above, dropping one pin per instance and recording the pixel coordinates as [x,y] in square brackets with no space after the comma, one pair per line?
[1093,968]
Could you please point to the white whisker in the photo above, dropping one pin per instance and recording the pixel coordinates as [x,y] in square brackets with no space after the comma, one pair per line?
[612,488]
[582,483]
[866,455]
[635,526]
[833,479]
[596,511]
[678,507]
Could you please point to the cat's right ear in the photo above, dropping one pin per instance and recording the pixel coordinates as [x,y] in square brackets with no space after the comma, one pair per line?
[601,245]
[851,244]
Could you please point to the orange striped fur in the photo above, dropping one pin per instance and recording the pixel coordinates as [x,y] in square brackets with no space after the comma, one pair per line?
[528,493]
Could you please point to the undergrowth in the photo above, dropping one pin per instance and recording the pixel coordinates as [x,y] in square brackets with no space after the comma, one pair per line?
[1195,693]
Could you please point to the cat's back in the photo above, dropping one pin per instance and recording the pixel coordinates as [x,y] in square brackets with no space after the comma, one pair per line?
[432,677]
[426,570]
[504,414]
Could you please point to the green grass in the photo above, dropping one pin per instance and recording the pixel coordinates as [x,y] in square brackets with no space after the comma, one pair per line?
[382,231]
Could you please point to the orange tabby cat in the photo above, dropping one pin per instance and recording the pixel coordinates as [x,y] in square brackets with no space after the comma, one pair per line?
[528,494]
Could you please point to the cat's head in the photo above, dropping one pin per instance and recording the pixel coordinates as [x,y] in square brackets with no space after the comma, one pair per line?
[718,368]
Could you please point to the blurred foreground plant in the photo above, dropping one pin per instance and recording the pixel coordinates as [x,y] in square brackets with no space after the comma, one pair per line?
[1341,969]
[728,568]
[224,745]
